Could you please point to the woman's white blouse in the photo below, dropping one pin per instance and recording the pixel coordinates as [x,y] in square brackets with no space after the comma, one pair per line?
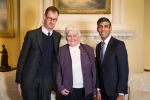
[76,67]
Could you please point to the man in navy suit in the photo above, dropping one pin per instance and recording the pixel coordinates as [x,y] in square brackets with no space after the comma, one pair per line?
[37,64]
[112,64]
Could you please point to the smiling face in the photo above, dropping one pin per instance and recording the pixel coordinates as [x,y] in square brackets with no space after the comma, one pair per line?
[72,38]
[104,30]
[49,24]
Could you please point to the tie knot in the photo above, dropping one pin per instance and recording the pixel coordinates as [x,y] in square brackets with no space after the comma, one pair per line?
[103,43]
[48,33]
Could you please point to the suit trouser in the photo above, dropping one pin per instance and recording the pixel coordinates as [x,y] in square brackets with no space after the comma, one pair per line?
[78,94]
[41,90]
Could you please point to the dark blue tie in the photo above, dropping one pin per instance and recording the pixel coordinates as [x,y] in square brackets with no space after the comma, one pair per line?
[48,33]
[102,51]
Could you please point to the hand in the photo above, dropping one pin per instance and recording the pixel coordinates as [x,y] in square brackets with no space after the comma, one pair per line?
[19,90]
[94,96]
[98,95]
[64,92]
[120,97]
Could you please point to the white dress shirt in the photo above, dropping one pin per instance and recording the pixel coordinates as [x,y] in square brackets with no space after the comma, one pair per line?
[46,32]
[105,45]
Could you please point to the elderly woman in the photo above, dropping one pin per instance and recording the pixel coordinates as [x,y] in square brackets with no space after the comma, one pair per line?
[76,76]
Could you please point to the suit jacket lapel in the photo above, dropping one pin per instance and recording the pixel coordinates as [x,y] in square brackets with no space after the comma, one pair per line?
[40,38]
[108,49]
[82,53]
[55,39]
[98,53]
[68,60]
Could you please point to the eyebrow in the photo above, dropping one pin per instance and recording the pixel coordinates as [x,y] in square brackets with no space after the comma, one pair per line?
[104,25]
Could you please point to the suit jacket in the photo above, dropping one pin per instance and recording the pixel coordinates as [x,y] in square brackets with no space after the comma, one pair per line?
[30,57]
[64,74]
[112,74]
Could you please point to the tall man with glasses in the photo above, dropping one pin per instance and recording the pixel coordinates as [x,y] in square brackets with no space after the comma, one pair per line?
[37,64]
[112,64]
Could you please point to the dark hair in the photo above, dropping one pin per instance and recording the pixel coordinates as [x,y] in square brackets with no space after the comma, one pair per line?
[103,19]
[51,8]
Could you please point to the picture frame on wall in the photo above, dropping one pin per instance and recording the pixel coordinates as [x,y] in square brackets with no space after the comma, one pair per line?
[83,6]
[6,19]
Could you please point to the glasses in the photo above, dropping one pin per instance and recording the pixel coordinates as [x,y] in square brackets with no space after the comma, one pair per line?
[49,19]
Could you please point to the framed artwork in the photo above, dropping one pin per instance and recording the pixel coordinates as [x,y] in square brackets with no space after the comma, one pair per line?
[6,18]
[83,6]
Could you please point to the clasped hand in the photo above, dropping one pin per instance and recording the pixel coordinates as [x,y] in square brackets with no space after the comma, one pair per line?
[64,92]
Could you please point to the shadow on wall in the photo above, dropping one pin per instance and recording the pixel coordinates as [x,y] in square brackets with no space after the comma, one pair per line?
[28,22]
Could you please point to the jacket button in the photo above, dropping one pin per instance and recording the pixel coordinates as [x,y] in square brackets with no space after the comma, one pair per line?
[36,69]
[84,74]
[39,61]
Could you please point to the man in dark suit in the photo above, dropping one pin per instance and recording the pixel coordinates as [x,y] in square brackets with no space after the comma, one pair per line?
[37,64]
[112,64]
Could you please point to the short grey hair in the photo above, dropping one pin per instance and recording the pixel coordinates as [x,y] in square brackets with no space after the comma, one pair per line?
[71,28]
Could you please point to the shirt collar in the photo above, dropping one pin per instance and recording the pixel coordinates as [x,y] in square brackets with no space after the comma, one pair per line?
[74,48]
[107,40]
[45,31]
